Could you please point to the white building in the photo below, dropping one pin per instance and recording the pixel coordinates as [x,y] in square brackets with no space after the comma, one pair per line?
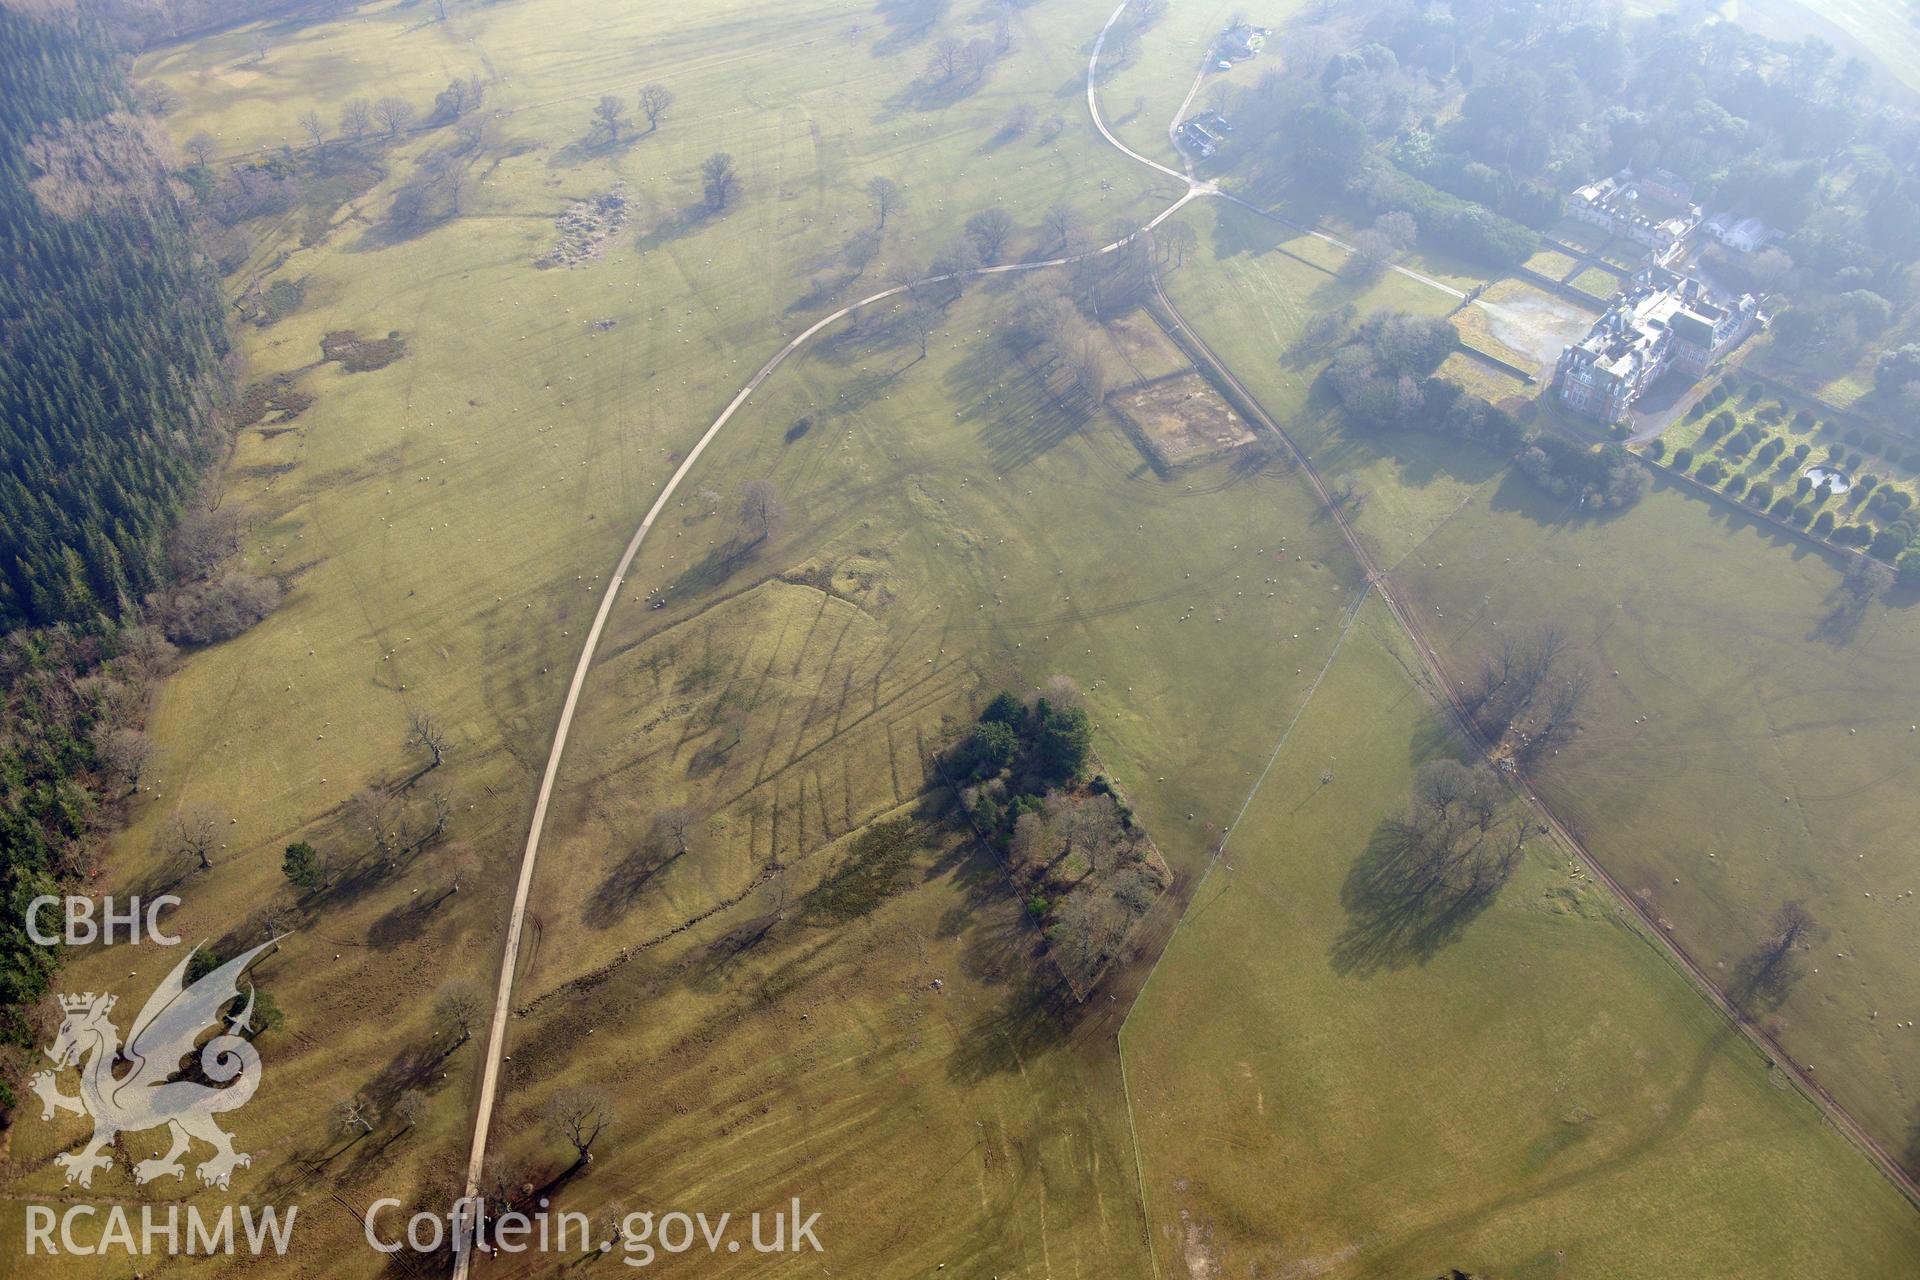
[1742,235]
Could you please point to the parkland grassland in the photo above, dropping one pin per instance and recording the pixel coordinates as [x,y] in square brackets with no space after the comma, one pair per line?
[482,340]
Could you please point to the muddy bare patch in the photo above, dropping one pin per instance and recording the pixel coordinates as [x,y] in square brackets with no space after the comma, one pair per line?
[1180,419]
[585,226]
[356,354]
[275,400]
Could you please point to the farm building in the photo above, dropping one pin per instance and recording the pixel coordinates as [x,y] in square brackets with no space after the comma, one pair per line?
[1203,133]
[1237,44]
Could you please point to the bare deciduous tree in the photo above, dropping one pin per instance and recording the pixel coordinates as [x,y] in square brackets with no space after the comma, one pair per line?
[989,229]
[1180,238]
[718,180]
[354,1115]
[412,1108]
[1019,120]
[1087,362]
[194,833]
[1762,980]
[376,814]
[655,99]
[675,831]
[610,114]
[921,318]
[760,508]
[579,1117]
[975,58]
[955,266]
[458,1010]
[356,118]
[274,921]
[426,732]
[125,754]
[1058,222]
[886,196]
[394,114]
[1372,252]
[200,148]
[314,127]
[947,54]
[1062,692]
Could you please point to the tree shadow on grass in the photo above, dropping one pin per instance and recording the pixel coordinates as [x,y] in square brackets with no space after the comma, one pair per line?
[597,146]
[1019,414]
[908,23]
[623,886]
[1668,1122]
[1036,1018]
[675,225]
[406,921]
[1398,913]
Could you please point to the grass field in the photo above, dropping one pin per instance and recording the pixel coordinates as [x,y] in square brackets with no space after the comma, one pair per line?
[951,531]
[1729,698]
[1515,1102]
[445,525]
[442,522]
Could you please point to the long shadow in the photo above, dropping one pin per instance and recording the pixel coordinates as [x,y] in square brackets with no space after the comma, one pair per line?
[1019,415]
[405,922]
[908,22]
[1762,981]
[923,95]
[623,887]
[596,147]
[676,225]
[1399,913]
[1669,1123]
[1035,1019]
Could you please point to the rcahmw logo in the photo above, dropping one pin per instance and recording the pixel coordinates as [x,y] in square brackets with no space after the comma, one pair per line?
[146,1093]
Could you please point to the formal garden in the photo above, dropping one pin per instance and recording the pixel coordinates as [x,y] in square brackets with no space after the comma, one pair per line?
[1835,478]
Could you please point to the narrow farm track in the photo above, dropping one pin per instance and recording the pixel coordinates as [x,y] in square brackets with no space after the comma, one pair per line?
[1194,190]
[1445,692]
[529,858]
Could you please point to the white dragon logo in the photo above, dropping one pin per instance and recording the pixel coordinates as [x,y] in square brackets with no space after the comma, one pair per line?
[150,1094]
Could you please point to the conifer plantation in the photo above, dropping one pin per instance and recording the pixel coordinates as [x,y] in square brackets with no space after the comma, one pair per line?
[111,343]
[110,336]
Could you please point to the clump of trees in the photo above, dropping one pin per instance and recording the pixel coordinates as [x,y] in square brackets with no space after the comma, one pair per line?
[1426,874]
[1384,378]
[72,703]
[1084,868]
[216,609]
[1606,478]
[1380,375]
[462,95]
[1529,690]
[1045,327]
[1036,746]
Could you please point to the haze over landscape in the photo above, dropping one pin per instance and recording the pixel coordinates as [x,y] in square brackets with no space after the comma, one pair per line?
[986,638]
